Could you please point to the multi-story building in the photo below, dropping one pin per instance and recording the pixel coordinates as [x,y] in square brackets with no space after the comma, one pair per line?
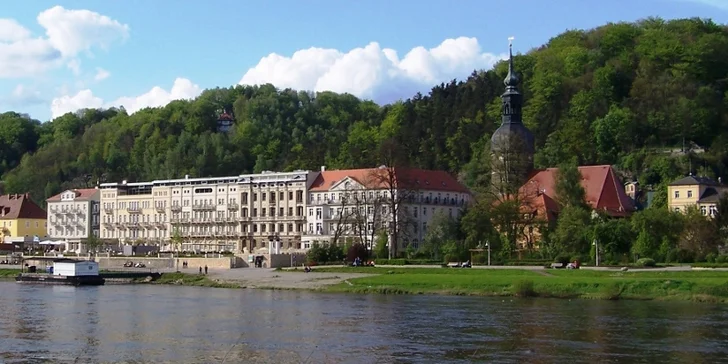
[21,219]
[73,216]
[357,205]
[701,192]
[238,213]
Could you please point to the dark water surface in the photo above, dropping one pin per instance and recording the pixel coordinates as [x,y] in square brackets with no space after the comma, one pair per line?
[168,324]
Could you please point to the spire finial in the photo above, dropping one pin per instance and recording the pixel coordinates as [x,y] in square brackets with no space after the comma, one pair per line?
[511,79]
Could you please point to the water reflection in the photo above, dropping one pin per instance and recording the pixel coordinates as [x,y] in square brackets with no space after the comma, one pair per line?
[158,324]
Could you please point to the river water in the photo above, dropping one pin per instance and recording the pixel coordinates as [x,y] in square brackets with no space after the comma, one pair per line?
[172,324]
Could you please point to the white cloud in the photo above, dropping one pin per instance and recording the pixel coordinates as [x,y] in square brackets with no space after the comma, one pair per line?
[372,72]
[75,66]
[182,89]
[84,99]
[12,31]
[68,33]
[73,31]
[101,74]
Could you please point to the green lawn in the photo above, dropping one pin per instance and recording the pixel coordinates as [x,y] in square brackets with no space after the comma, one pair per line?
[696,286]
[9,273]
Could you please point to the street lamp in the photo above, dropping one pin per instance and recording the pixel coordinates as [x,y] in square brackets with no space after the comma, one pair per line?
[595,217]
[487,245]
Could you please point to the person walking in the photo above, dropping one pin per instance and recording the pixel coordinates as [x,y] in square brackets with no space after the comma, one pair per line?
[205,269]
[200,270]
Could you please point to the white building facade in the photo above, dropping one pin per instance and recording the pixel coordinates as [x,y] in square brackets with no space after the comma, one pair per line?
[74,216]
[358,205]
[240,214]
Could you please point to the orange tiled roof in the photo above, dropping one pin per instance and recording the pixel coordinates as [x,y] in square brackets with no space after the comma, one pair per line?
[15,206]
[374,178]
[81,194]
[603,191]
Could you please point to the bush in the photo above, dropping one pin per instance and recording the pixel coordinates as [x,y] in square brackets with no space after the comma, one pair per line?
[563,259]
[646,262]
[523,289]
[721,259]
[357,251]
[710,257]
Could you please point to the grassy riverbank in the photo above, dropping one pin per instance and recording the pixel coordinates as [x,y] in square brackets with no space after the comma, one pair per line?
[9,273]
[710,286]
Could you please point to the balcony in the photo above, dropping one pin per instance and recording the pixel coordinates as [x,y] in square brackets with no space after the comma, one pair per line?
[203,207]
[233,206]
[322,202]
[108,209]
[160,208]
[134,210]
[176,208]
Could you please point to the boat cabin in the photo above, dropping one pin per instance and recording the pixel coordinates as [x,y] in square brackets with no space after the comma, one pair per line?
[75,268]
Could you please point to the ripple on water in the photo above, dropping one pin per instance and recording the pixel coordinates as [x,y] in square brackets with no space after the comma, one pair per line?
[169,324]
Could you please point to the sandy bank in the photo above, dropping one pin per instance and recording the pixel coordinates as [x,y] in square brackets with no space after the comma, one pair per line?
[270,278]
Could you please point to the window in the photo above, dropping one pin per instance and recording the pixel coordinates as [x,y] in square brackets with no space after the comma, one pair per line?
[677,194]
[703,209]
[690,193]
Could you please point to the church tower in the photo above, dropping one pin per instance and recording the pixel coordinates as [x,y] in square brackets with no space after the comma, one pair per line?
[512,144]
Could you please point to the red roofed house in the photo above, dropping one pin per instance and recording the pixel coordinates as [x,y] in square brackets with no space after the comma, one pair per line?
[73,216]
[603,191]
[355,204]
[21,219]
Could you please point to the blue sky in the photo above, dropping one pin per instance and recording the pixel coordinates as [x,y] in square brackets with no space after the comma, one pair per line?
[144,53]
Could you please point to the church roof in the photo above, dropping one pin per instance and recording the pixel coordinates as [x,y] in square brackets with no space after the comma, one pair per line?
[603,191]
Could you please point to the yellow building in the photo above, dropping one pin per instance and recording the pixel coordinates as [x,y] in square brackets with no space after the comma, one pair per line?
[701,192]
[21,219]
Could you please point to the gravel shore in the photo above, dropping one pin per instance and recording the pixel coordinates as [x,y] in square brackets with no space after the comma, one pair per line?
[271,278]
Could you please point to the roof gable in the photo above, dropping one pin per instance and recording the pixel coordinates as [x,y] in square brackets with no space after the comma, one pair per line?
[82,194]
[15,206]
[694,180]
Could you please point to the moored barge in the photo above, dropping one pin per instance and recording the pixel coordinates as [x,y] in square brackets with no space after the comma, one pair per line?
[69,272]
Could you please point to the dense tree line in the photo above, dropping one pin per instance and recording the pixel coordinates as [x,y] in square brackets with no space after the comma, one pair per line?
[649,97]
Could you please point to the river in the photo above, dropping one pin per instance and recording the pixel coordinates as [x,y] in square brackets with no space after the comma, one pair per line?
[172,324]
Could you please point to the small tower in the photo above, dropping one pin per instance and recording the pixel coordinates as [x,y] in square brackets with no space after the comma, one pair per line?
[512,144]
[225,121]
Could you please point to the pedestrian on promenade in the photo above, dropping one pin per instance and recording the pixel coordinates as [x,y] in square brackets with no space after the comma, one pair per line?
[200,270]
[205,269]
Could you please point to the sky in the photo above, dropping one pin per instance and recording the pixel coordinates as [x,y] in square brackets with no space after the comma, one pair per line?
[57,57]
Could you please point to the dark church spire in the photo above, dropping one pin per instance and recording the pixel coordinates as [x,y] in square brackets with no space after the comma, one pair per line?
[511,80]
[512,144]
[512,99]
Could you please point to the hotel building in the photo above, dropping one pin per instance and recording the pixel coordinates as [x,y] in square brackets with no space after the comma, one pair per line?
[240,214]
[73,216]
[355,205]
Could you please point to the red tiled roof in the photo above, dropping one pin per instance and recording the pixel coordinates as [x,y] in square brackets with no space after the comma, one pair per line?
[20,207]
[375,178]
[603,191]
[225,116]
[81,194]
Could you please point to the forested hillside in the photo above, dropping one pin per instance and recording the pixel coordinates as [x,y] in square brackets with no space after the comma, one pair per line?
[630,94]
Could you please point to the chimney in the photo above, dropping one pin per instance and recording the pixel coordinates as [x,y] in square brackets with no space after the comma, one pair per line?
[187,176]
[323,168]
[123,182]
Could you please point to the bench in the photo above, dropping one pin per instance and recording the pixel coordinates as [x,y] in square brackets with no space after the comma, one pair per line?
[557,265]
[453,264]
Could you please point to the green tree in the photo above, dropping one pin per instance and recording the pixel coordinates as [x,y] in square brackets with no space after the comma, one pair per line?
[569,190]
